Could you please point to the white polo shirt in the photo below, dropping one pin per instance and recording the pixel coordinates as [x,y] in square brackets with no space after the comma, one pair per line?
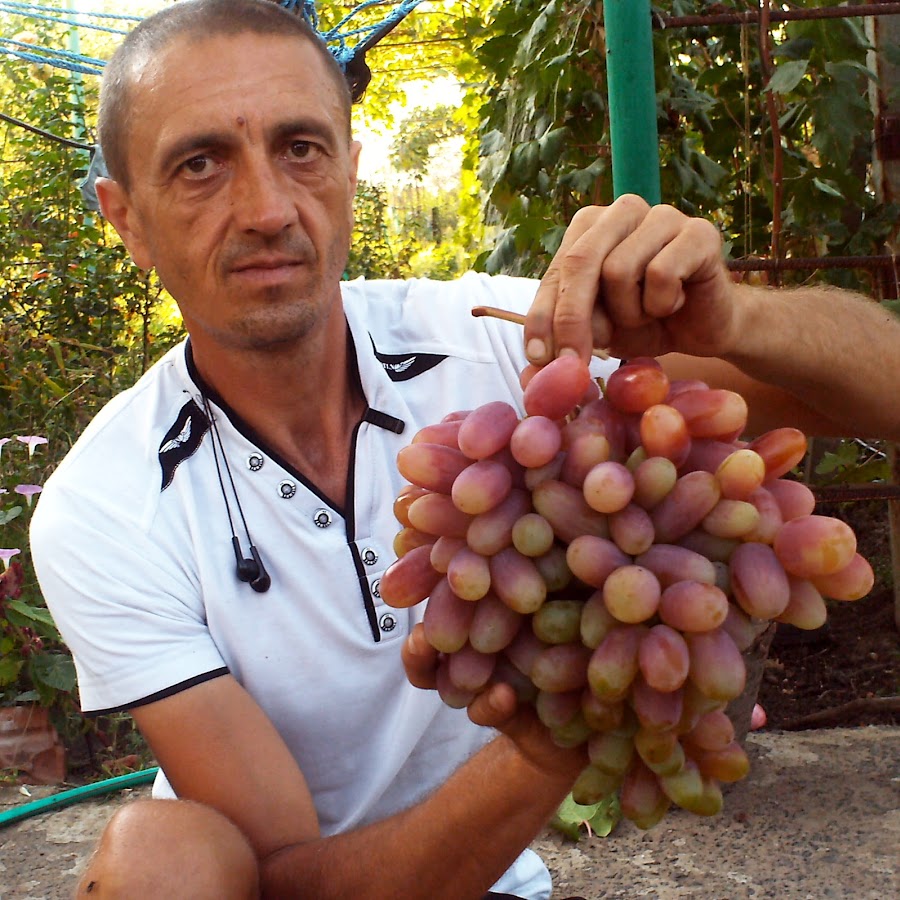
[132,545]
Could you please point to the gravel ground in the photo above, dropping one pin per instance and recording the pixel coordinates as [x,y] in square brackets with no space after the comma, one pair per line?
[818,817]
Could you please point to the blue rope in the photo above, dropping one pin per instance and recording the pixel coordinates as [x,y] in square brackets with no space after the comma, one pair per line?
[19,7]
[76,62]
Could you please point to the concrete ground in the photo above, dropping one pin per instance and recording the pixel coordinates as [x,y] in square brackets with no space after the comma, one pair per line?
[818,817]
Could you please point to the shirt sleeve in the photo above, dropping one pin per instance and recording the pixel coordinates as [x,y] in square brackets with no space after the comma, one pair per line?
[123,596]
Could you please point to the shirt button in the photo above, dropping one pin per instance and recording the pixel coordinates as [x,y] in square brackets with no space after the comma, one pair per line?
[255,462]
[322,518]
[369,556]
[376,585]
[287,489]
[388,622]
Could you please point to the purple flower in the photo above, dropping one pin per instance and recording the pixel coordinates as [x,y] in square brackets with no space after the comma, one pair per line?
[7,555]
[28,491]
[32,440]
[2,442]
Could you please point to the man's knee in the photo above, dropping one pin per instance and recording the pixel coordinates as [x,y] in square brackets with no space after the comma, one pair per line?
[170,848]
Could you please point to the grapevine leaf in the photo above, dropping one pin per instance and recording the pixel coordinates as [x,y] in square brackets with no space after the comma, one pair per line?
[55,670]
[600,817]
[35,613]
[787,76]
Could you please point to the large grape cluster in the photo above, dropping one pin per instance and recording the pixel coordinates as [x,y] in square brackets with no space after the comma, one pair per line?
[612,557]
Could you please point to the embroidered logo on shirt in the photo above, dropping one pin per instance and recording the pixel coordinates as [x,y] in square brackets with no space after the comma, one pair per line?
[403,366]
[181,440]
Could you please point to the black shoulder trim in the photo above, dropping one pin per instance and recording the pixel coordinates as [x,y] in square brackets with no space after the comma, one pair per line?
[403,366]
[181,440]
[159,695]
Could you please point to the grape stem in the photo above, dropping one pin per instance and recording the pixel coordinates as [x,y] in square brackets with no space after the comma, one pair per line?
[508,316]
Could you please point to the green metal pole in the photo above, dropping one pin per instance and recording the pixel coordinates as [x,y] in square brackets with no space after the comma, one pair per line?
[632,98]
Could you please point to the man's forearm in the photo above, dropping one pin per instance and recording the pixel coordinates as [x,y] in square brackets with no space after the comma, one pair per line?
[452,846]
[834,350]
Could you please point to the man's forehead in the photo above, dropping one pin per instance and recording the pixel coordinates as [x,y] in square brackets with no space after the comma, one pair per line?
[222,76]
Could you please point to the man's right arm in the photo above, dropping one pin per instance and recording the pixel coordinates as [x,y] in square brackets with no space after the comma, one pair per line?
[217,747]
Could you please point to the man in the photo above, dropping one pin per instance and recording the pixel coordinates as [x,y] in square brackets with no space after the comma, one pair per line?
[211,547]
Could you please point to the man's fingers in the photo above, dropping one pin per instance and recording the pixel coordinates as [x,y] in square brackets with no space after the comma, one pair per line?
[540,345]
[494,706]
[420,659]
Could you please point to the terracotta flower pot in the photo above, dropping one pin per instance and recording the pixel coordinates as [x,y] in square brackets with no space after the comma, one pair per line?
[31,745]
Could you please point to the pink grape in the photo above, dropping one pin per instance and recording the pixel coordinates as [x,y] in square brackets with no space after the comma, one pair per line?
[535,441]
[794,498]
[731,518]
[556,389]
[656,710]
[608,487]
[407,496]
[561,667]
[516,581]
[663,658]
[436,514]
[431,466]
[565,508]
[585,452]
[553,568]
[487,429]
[450,694]
[664,432]
[633,388]
[447,619]
[610,752]
[631,593]
[469,574]
[593,559]
[770,519]
[740,474]
[671,563]
[852,582]
[691,606]
[685,506]
[481,487]
[614,663]
[446,433]
[806,608]
[491,532]
[558,621]
[631,529]
[408,539]
[641,798]
[532,535]
[717,667]
[410,579]
[812,546]
[653,479]
[442,551]
[712,413]
[781,449]
[596,621]
[494,625]
[759,582]
[470,670]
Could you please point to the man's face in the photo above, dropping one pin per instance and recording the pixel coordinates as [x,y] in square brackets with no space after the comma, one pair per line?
[242,182]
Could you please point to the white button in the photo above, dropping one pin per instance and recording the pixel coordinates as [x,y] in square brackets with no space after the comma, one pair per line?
[387,622]
[287,489]
[369,556]
[376,584]
[322,518]
[255,462]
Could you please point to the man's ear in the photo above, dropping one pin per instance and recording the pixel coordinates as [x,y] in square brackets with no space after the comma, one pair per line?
[117,208]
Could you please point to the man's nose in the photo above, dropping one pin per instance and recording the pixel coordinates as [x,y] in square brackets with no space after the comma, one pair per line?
[262,202]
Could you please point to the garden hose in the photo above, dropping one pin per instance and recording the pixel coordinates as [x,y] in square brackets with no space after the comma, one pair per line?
[75,795]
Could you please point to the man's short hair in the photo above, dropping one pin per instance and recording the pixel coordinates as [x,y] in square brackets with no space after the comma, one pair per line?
[196,20]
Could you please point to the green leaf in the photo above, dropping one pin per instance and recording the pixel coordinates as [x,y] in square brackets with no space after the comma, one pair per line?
[827,187]
[787,76]
[9,669]
[35,613]
[601,818]
[8,515]
[55,670]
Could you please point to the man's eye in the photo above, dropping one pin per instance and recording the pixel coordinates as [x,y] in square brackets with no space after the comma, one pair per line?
[197,165]
[304,150]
